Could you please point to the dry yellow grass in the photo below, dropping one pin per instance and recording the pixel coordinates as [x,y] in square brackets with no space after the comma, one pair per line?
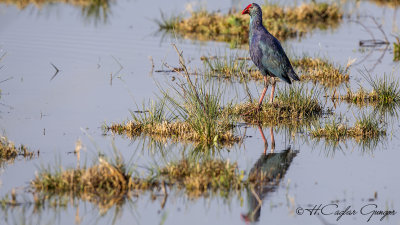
[102,179]
[177,131]
[315,69]
[8,151]
[106,183]
[385,3]
[321,71]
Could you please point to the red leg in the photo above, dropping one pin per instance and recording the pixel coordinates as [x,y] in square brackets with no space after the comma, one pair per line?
[271,98]
[263,93]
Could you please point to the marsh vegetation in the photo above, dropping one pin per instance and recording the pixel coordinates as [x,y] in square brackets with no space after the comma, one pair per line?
[365,127]
[282,22]
[240,68]
[385,92]
[9,152]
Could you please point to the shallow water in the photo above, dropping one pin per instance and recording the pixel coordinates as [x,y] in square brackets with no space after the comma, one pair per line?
[52,114]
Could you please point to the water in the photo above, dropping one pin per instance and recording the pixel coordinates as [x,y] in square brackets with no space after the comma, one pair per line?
[52,114]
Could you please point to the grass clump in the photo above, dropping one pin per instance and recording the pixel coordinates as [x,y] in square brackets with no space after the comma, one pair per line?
[321,71]
[282,22]
[107,180]
[385,3]
[177,130]
[230,67]
[385,91]
[235,67]
[103,179]
[192,113]
[105,184]
[198,178]
[291,105]
[366,127]
[8,151]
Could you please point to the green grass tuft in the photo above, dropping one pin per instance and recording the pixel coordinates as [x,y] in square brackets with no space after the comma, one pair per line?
[365,127]
[385,92]
[292,105]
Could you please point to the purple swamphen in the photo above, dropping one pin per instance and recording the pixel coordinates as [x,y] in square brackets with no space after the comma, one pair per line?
[267,53]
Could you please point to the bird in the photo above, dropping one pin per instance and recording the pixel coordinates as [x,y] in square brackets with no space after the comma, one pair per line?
[267,53]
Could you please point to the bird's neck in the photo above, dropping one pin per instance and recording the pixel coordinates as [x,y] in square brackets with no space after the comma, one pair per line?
[255,23]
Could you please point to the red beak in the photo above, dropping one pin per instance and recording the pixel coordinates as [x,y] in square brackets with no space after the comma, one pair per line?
[246,10]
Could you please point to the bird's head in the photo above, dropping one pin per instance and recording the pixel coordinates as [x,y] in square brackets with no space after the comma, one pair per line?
[252,9]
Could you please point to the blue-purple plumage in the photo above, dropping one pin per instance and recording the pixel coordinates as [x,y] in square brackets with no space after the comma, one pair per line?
[266,51]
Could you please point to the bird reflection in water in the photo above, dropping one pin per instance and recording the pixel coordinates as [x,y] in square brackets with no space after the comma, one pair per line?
[266,173]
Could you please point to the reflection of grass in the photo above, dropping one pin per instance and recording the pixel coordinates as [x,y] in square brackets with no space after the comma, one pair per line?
[238,68]
[96,9]
[282,23]
[396,49]
[102,179]
[292,105]
[366,127]
[8,151]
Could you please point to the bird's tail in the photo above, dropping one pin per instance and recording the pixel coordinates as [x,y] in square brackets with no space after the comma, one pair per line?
[293,75]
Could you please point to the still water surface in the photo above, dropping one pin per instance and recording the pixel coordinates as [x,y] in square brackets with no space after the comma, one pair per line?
[51,115]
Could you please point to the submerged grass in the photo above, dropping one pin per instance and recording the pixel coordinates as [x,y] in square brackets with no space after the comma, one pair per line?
[291,106]
[8,151]
[365,127]
[236,67]
[282,22]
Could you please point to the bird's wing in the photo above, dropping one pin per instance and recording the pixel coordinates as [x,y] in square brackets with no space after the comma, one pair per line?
[256,53]
[274,58]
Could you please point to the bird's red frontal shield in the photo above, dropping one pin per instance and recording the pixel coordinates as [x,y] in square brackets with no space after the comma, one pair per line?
[246,10]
